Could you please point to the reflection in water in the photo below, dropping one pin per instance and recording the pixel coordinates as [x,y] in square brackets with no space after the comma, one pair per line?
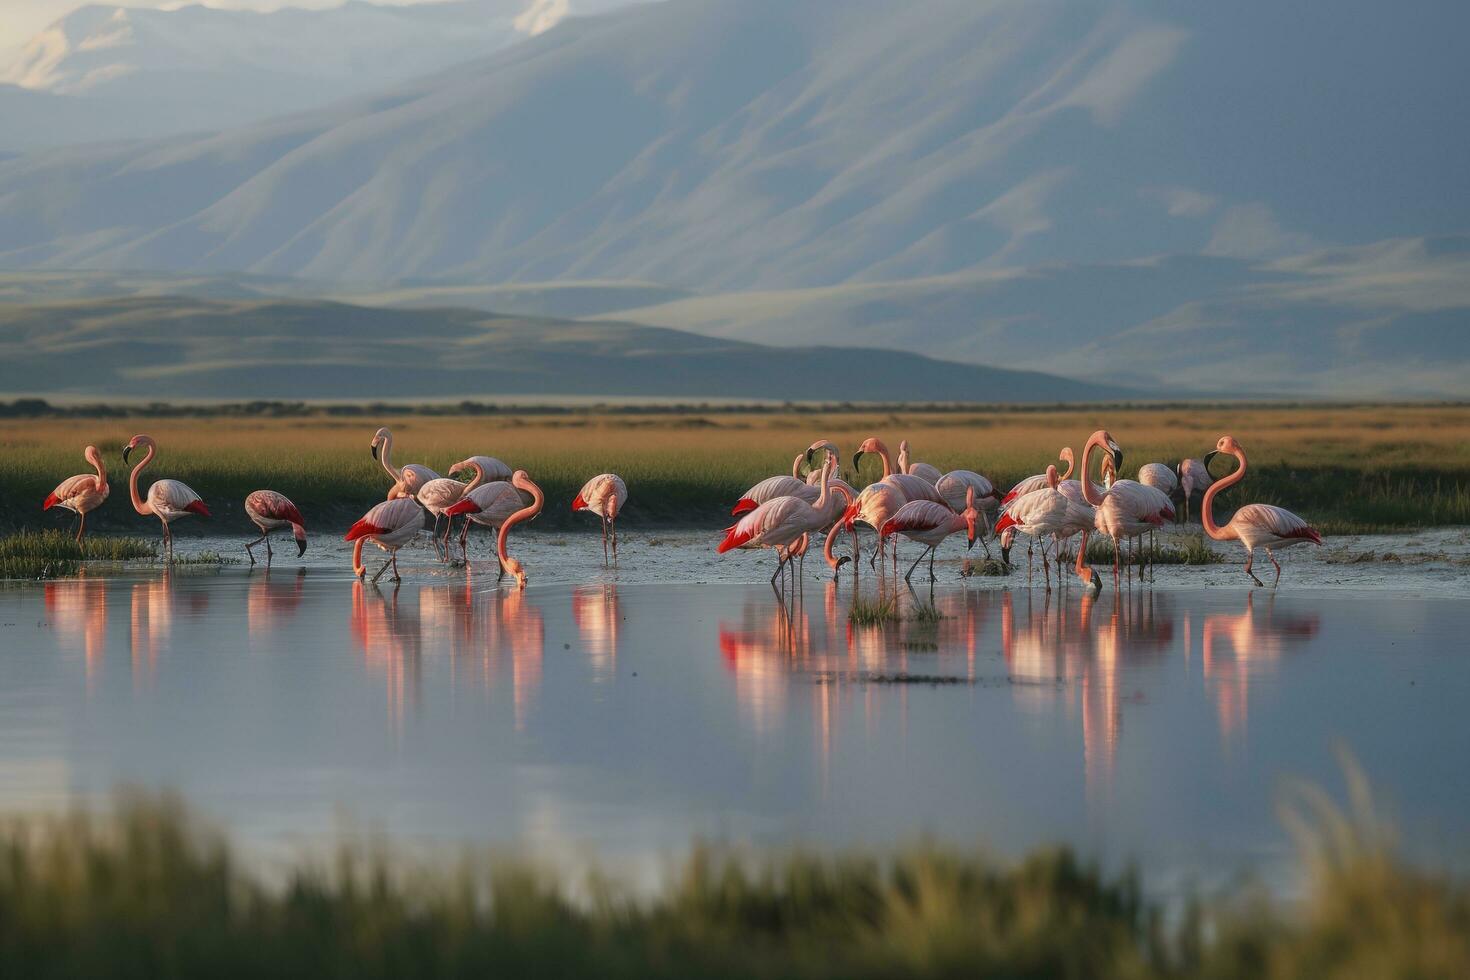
[1238,648]
[78,610]
[273,599]
[391,642]
[596,612]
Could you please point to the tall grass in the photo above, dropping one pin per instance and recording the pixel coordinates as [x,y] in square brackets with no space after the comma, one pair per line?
[48,554]
[1190,551]
[1353,467]
[146,891]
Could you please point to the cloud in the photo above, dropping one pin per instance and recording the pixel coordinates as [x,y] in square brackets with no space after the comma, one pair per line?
[1251,231]
[1111,85]
[1181,202]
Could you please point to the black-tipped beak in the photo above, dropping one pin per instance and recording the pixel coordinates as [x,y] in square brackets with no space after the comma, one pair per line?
[1005,555]
[1118,460]
[971,543]
[126,450]
[808,457]
[300,548]
[1209,456]
[857,460]
[375,450]
[842,561]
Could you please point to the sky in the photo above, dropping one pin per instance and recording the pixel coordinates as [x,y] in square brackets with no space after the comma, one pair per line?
[20,19]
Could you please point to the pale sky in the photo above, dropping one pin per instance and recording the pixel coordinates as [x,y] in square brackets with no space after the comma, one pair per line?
[19,19]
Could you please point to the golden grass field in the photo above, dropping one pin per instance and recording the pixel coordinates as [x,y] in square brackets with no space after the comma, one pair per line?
[1346,467]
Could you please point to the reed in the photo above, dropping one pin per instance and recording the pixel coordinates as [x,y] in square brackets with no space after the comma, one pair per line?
[52,553]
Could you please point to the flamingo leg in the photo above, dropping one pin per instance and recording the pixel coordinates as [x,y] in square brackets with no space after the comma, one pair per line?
[1046,567]
[932,552]
[780,564]
[613,524]
[393,557]
[168,542]
[604,538]
[82,527]
[269,551]
[1250,557]
[251,544]
[464,534]
[1278,568]
[381,569]
[912,567]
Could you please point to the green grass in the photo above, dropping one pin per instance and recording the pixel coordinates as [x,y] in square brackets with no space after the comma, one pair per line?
[145,890]
[1193,551]
[206,558]
[872,612]
[50,554]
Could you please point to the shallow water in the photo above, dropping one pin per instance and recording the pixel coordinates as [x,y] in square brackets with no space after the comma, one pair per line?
[620,712]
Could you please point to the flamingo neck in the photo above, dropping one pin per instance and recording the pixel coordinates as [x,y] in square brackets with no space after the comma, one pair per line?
[796,465]
[385,456]
[524,514]
[96,460]
[1206,507]
[139,504]
[832,532]
[357,566]
[478,478]
[1089,489]
[821,505]
[903,458]
[1066,456]
[887,460]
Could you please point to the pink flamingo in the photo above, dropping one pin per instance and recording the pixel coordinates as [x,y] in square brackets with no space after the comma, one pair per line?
[271,511]
[522,481]
[1254,525]
[1194,478]
[487,505]
[781,523]
[875,505]
[1041,513]
[924,471]
[406,481]
[439,494]
[1039,481]
[1125,509]
[912,487]
[777,486]
[83,493]
[929,524]
[168,500]
[604,495]
[389,525]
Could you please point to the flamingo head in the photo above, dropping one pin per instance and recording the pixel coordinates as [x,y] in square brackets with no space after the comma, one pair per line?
[134,443]
[821,444]
[1105,439]
[1065,456]
[871,445]
[379,438]
[513,567]
[298,531]
[1052,477]
[91,455]
[1227,444]
[1007,538]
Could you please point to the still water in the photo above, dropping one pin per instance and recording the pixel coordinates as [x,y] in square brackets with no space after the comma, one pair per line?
[622,717]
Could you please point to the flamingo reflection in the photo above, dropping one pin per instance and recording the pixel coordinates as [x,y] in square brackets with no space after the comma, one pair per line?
[597,613]
[1255,645]
[272,600]
[78,610]
[391,642]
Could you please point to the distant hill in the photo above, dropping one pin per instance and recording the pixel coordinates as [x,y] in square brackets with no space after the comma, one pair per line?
[175,347]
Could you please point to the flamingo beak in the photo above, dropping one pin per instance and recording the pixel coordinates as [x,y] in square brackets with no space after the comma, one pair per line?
[1005,554]
[300,548]
[857,460]
[127,449]
[809,455]
[1209,456]
[1117,459]
[971,543]
[375,450]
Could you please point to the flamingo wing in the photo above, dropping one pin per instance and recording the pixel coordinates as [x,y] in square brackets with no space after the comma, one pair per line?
[1277,521]
[172,496]
[69,489]
[917,516]
[494,469]
[913,488]
[273,506]
[1159,476]
[387,517]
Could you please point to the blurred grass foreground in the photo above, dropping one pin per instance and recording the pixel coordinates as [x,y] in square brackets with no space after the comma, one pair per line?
[147,890]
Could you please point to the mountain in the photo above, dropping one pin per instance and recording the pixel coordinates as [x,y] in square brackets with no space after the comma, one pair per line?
[723,145]
[175,347]
[1390,320]
[115,72]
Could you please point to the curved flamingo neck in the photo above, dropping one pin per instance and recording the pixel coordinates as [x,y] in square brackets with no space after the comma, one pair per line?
[832,532]
[524,514]
[903,457]
[478,479]
[1206,507]
[887,459]
[1066,456]
[1052,479]
[796,465]
[821,505]
[95,459]
[384,457]
[357,567]
[139,504]
[1089,490]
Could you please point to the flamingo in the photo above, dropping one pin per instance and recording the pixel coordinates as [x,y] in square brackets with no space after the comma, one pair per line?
[168,500]
[439,494]
[1194,478]
[781,523]
[1125,509]
[1254,525]
[520,480]
[271,511]
[1043,512]
[389,525]
[491,469]
[924,471]
[406,481]
[929,524]
[1162,478]
[911,487]
[833,562]
[875,505]
[82,493]
[604,495]
[488,505]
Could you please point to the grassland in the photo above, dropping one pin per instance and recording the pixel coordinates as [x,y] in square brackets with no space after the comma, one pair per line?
[145,890]
[1347,469]
[52,553]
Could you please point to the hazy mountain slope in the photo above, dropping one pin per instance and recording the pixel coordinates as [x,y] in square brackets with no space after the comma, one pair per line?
[186,348]
[1392,319]
[198,68]
[729,144]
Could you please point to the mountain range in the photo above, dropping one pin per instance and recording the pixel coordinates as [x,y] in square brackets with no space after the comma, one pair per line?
[1250,197]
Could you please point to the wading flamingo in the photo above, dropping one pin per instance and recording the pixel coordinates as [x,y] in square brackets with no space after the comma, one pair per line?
[781,523]
[487,505]
[390,525]
[83,493]
[911,487]
[439,494]
[924,471]
[406,481]
[877,503]
[1194,479]
[843,498]
[929,524]
[777,486]
[522,481]
[271,511]
[1039,514]
[1254,525]
[1125,509]
[1163,479]
[604,495]
[167,500]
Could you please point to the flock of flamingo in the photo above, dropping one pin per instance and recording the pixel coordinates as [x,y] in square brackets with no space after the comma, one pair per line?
[911,498]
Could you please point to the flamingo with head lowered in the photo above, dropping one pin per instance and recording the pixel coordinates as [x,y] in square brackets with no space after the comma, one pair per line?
[390,525]
[83,493]
[604,495]
[271,511]
[508,565]
[1254,525]
[929,524]
[167,500]
[782,523]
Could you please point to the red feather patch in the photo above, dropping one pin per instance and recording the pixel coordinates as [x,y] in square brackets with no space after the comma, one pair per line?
[734,539]
[579,503]
[362,529]
[464,506]
[1006,520]
[1306,533]
[51,501]
[743,506]
[197,507]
